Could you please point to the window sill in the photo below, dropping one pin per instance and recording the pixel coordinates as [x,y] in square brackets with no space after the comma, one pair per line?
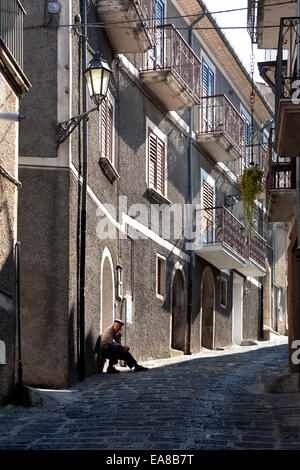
[157,197]
[108,169]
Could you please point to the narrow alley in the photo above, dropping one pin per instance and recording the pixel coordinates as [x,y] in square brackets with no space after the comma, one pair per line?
[213,400]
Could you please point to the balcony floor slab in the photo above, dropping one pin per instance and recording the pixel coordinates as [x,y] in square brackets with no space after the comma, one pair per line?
[221,256]
[131,40]
[219,146]
[169,89]
[252,269]
[287,140]
[281,205]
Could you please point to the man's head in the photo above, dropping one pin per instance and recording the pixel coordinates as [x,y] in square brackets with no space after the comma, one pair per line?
[117,325]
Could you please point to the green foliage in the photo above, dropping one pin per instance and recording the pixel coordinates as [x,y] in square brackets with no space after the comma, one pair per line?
[251,185]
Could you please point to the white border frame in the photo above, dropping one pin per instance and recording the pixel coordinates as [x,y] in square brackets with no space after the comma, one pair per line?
[106,255]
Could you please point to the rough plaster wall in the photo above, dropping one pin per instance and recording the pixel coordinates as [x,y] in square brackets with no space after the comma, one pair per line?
[40,65]
[43,233]
[8,208]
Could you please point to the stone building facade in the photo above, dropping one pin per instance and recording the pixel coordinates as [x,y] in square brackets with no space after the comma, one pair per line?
[13,83]
[134,271]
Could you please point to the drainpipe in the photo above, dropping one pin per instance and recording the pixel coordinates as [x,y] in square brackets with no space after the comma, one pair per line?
[298,190]
[81,364]
[191,196]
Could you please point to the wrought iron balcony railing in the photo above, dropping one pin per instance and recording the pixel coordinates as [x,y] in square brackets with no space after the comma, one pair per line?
[286,74]
[256,246]
[11,28]
[220,226]
[216,114]
[280,171]
[172,52]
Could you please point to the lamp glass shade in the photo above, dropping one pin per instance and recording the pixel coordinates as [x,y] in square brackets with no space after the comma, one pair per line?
[97,78]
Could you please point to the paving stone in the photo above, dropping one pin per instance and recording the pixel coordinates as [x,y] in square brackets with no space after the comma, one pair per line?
[202,401]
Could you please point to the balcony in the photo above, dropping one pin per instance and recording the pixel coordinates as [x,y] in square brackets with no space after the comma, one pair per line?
[219,128]
[224,239]
[138,15]
[171,71]
[255,256]
[280,187]
[287,109]
[267,13]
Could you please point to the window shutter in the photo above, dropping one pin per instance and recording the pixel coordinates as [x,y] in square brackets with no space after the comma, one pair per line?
[208,80]
[109,128]
[103,129]
[156,162]
[152,159]
[208,203]
[208,195]
[106,129]
[160,13]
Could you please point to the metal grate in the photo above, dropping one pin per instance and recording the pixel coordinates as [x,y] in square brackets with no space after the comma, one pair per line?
[217,114]
[11,28]
[172,52]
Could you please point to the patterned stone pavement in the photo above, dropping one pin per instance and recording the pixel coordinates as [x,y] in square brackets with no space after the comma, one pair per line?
[211,400]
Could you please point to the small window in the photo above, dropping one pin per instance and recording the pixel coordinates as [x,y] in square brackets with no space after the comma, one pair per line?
[107,129]
[223,292]
[160,276]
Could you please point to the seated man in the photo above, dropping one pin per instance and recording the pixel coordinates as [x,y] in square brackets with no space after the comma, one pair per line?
[112,349]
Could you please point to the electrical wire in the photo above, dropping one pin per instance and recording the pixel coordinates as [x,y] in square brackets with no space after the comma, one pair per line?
[119,23]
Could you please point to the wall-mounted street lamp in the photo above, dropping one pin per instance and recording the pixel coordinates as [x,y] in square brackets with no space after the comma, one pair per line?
[97,77]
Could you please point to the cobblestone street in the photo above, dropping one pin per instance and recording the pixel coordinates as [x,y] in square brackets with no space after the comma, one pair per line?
[211,400]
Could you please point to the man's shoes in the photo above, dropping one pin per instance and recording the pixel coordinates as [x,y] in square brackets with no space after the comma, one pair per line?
[139,368]
[112,370]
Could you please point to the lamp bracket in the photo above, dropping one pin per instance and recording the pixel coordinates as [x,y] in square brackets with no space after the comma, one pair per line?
[65,128]
[232,199]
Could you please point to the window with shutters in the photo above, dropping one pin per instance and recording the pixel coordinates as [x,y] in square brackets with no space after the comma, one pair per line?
[156,162]
[107,129]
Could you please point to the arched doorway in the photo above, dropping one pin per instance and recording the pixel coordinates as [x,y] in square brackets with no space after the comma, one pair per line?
[107,291]
[208,310]
[179,312]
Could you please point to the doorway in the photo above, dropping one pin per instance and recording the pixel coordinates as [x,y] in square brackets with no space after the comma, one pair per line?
[179,312]
[208,310]
[237,309]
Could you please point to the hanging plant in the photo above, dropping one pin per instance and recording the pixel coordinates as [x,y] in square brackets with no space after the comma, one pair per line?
[251,186]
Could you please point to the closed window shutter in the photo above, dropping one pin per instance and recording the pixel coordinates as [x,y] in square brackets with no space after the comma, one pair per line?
[156,162]
[160,13]
[208,89]
[106,131]
[208,203]
[208,80]
[152,159]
